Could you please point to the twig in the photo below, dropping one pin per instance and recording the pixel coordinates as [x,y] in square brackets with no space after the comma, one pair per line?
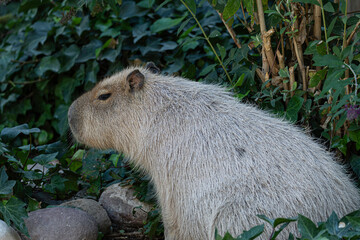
[25,62]
[28,82]
[355,78]
[260,74]
[352,34]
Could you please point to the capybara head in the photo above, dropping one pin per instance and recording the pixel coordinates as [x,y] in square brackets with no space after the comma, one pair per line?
[115,101]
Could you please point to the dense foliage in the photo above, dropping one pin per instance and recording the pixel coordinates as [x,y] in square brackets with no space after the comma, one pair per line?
[52,51]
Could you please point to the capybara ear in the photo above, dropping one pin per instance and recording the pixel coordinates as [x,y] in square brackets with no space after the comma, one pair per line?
[152,67]
[135,80]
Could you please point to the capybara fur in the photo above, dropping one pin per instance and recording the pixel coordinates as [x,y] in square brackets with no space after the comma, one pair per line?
[215,162]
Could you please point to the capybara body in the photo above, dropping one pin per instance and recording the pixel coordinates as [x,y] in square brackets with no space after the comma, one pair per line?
[215,162]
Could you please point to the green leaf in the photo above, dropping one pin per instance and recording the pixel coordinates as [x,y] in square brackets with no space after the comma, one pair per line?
[61,116]
[329,7]
[8,134]
[146,3]
[355,136]
[68,57]
[306,227]
[182,26]
[355,164]
[56,185]
[332,224]
[231,7]
[48,63]
[5,185]
[14,211]
[214,34]
[191,5]
[315,2]
[294,107]
[222,51]
[88,51]
[240,81]
[165,23]
[45,159]
[319,76]
[84,26]
[329,60]
[207,69]
[252,233]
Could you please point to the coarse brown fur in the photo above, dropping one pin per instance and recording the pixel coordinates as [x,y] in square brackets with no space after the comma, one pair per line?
[215,162]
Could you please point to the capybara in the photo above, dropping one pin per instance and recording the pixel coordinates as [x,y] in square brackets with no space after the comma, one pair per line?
[215,162]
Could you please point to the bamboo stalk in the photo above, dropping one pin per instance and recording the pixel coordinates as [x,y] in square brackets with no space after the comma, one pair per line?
[292,80]
[299,54]
[280,58]
[317,22]
[266,35]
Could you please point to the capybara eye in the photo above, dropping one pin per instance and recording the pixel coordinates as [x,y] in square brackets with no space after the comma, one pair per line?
[104,96]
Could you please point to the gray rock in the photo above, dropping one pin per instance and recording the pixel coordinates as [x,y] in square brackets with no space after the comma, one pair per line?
[94,209]
[61,223]
[121,206]
[7,232]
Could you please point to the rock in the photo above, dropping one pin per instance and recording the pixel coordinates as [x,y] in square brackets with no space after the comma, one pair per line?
[94,209]
[7,232]
[61,223]
[120,202]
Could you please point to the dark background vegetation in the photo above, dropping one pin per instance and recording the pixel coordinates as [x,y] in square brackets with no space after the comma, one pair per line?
[53,51]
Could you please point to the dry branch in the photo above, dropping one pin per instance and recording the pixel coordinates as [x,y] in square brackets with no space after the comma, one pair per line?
[230,30]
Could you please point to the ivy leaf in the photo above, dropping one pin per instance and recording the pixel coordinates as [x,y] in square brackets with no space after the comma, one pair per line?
[61,116]
[88,51]
[165,23]
[49,63]
[231,8]
[45,159]
[306,227]
[8,134]
[57,184]
[14,211]
[293,108]
[355,164]
[5,185]
[332,224]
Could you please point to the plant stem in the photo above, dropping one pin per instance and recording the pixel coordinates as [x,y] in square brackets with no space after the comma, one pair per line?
[355,78]
[208,40]
[344,36]
[326,36]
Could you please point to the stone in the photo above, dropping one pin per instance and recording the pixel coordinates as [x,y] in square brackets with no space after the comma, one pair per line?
[122,206]
[60,223]
[7,232]
[94,209]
